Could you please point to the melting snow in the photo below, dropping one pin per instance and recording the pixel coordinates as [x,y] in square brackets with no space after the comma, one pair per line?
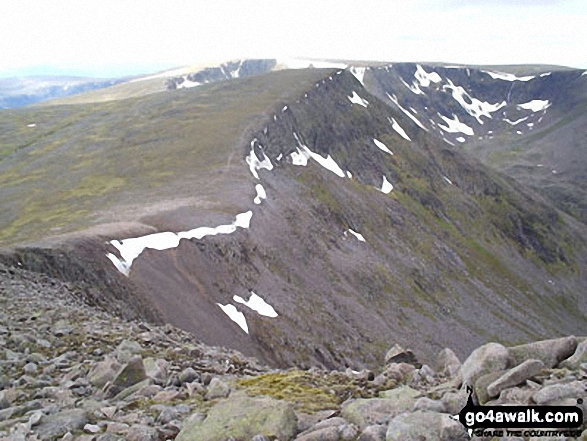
[284,108]
[413,87]
[359,73]
[260,194]
[356,99]
[513,123]
[412,117]
[386,187]
[235,315]
[425,78]
[447,180]
[545,74]
[455,126]
[303,153]
[131,248]
[518,132]
[382,146]
[507,77]
[349,174]
[359,236]
[535,105]
[31,125]
[395,125]
[473,106]
[256,164]
[256,303]
[448,142]
[187,84]
[279,157]
[584,73]
[530,125]
[461,139]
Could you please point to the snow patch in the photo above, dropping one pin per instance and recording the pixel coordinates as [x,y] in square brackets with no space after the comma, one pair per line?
[32,125]
[359,236]
[260,194]
[513,123]
[235,315]
[255,163]
[545,74]
[535,105]
[303,153]
[507,77]
[382,146]
[460,139]
[257,304]
[349,174]
[447,141]
[394,100]
[386,187]
[447,180]
[356,99]
[131,248]
[395,126]
[359,73]
[425,78]
[455,126]
[472,106]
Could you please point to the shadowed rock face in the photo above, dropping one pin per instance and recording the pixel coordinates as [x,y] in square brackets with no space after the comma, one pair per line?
[454,255]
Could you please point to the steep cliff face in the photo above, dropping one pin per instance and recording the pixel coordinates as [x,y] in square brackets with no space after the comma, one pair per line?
[362,227]
[446,253]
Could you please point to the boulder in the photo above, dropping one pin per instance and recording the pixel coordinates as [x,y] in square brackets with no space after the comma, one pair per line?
[515,376]
[447,363]
[217,389]
[364,412]
[243,418]
[483,382]
[131,373]
[549,352]
[555,392]
[398,354]
[420,426]
[488,358]
[103,372]
[373,433]
[579,356]
[58,424]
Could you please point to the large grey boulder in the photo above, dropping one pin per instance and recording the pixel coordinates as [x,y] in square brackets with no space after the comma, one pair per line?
[130,374]
[397,354]
[579,357]
[364,412]
[549,352]
[515,376]
[555,392]
[243,418]
[488,358]
[103,372]
[56,425]
[418,426]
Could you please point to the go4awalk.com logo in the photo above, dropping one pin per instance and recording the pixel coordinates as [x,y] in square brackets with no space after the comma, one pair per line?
[521,420]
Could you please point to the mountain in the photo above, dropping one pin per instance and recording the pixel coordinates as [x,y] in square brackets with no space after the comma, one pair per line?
[306,216]
[23,91]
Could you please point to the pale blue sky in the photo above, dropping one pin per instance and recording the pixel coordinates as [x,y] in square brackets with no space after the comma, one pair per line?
[109,37]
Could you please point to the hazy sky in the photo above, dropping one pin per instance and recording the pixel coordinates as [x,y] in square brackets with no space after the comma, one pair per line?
[126,36]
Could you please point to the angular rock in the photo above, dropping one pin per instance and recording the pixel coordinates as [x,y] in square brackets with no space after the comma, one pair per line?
[364,412]
[454,401]
[139,432]
[515,376]
[188,375]
[447,363]
[243,417]
[488,358]
[555,392]
[427,404]
[549,352]
[126,350]
[131,373]
[103,372]
[420,426]
[156,368]
[398,354]
[398,371]
[324,434]
[579,356]
[58,424]
[483,382]
[217,389]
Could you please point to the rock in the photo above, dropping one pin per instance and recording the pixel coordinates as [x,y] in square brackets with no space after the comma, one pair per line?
[364,412]
[156,368]
[188,375]
[108,437]
[454,401]
[373,433]
[515,376]
[243,417]
[217,389]
[30,369]
[404,396]
[58,424]
[488,358]
[447,363]
[428,404]
[132,390]
[324,434]
[92,428]
[139,432]
[398,354]
[555,392]
[483,382]
[580,356]
[103,372]
[131,373]
[420,426]
[126,350]
[549,352]
[398,371]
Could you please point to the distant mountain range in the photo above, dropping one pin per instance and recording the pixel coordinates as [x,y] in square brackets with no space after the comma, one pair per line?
[312,216]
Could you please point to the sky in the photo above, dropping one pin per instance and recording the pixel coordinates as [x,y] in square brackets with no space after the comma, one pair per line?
[112,38]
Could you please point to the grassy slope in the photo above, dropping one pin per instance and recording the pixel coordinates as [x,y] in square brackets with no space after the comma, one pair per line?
[68,172]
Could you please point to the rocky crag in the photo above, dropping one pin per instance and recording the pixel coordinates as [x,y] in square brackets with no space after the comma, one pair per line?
[70,371]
